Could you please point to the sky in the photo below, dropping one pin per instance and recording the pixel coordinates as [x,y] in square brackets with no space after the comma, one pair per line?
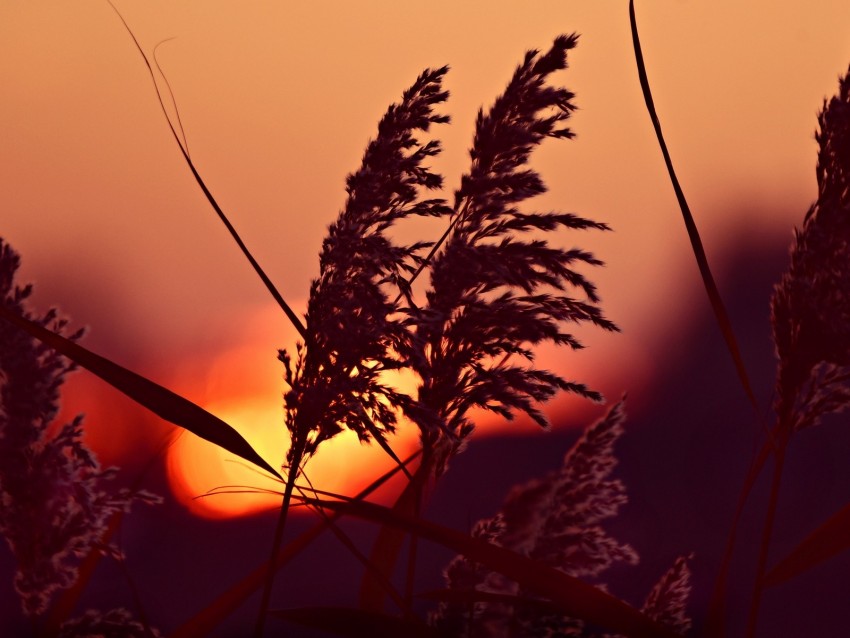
[278,101]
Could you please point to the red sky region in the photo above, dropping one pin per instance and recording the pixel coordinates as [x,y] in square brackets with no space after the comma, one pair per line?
[278,102]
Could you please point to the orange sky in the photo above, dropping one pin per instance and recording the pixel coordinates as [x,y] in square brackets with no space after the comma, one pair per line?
[278,101]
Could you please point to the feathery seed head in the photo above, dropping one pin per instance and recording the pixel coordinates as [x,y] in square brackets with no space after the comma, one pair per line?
[556,520]
[55,506]
[355,329]
[495,295]
[667,602]
[811,304]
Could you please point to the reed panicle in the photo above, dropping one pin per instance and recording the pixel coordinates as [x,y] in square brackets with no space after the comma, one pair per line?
[811,304]
[667,601]
[356,330]
[494,296]
[56,500]
[810,312]
[556,520]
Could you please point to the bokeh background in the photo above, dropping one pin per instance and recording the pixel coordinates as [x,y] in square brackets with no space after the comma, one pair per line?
[278,101]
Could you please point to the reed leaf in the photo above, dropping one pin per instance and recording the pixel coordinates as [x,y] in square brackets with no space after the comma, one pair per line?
[159,400]
[574,597]
[826,541]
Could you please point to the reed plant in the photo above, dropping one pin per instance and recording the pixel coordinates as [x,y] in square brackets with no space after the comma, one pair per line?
[498,287]
[57,500]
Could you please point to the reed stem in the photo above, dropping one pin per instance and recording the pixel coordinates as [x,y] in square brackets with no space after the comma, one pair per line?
[767,532]
[278,540]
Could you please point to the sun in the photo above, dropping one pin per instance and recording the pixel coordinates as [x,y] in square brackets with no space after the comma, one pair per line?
[243,386]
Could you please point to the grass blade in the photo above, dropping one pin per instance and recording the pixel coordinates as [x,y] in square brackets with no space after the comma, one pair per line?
[717,304]
[343,621]
[573,597]
[159,400]
[828,540]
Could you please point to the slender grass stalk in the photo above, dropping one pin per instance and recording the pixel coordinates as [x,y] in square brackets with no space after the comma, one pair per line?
[717,305]
[767,532]
[137,599]
[265,598]
[715,623]
[278,540]
[388,543]
[721,315]
[184,150]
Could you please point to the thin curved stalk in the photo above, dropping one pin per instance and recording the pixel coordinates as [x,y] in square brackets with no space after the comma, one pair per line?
[293,318]
[714,297]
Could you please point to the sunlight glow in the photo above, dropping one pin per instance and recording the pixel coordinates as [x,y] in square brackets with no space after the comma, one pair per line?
[195,467]
[243,386]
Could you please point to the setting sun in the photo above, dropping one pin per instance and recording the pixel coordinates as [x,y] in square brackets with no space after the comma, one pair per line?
[243,385]
[196,468]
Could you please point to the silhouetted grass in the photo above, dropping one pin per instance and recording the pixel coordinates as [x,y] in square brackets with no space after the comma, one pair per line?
[497,290]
